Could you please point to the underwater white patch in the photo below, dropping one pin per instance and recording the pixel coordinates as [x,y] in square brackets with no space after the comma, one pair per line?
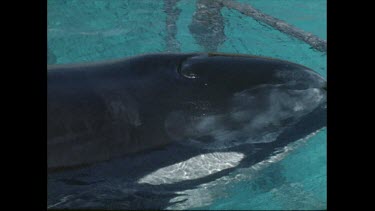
[206,193]
[194,168]
[298,107]
[62,200]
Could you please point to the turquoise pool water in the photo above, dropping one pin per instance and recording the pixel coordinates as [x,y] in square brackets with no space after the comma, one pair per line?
[81,31]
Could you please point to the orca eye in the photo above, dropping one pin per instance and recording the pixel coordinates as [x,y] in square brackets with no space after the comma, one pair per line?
[185,68]
[187,73]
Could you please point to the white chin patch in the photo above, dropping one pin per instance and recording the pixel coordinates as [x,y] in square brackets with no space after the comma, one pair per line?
[205,194]
[194,168]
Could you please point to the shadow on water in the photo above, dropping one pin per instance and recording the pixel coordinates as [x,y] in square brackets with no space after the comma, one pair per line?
[115,184]
[207,26]
[172,13]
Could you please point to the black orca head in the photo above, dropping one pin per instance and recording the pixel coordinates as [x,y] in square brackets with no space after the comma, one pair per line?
[240,99]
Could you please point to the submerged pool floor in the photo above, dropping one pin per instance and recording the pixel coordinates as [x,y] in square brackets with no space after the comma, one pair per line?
[82,31]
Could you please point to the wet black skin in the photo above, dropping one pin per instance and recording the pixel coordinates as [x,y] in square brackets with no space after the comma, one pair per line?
[100,111]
